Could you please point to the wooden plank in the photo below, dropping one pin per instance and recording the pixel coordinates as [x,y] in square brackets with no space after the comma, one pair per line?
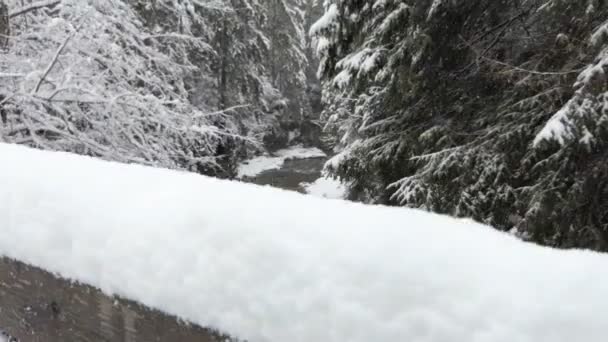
[36,306]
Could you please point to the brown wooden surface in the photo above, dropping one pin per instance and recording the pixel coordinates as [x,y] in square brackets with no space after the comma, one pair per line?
[36,306]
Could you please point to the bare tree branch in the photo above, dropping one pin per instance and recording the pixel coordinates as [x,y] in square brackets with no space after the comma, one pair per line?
[53,62]
[481,55]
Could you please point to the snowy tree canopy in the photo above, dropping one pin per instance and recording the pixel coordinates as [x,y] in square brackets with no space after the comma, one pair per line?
[189,84]
[90,77]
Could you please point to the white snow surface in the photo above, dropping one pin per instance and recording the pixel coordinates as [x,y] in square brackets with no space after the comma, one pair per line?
[326,187]
[257,165]
[270,265]
[4,336]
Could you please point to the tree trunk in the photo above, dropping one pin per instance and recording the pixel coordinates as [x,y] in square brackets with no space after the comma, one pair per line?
[223,77]
[4,25]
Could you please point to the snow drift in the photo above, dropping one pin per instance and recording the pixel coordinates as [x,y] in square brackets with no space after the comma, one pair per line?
[270,265]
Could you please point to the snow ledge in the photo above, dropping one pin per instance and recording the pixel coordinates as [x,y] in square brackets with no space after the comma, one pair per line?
[269,265]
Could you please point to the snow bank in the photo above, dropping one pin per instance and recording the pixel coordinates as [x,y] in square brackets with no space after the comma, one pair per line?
[271,265]
[5,337]
[255,166]
[326,188]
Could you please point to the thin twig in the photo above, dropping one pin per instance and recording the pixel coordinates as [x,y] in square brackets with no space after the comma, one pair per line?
[224,111]
[33,7]
[53,62]
[516,68]
[501,25]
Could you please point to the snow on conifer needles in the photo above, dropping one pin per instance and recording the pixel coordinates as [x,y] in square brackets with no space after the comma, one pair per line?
[584,117]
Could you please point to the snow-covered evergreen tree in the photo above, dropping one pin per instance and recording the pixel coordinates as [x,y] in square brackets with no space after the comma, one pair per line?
[288,63]
[260,65]
[491,110]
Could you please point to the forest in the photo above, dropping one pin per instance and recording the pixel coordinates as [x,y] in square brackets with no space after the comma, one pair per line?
[490,110]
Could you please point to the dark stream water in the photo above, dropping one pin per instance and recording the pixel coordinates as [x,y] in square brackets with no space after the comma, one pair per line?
[291,174]
[36,306]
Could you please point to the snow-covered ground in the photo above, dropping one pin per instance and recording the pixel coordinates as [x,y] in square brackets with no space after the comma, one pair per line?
[5,337]
[270,265]
[325,187]
[255,166]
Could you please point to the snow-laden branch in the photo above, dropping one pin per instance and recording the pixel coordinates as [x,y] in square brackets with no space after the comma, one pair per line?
[582,117]
[10,75]
[34,6]
[53,62]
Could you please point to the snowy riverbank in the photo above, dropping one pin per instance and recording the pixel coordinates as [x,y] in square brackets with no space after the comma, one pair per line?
[257,165]
[211,252]
[326,187]
[4,336]
[276,170]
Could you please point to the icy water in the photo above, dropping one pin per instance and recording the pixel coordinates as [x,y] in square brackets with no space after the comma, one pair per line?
[36,306]
[292,174]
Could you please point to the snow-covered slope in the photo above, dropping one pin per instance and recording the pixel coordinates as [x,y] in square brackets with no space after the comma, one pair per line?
[269,265]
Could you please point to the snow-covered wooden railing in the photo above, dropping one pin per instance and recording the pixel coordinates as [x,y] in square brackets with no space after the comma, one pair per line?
[270,265]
